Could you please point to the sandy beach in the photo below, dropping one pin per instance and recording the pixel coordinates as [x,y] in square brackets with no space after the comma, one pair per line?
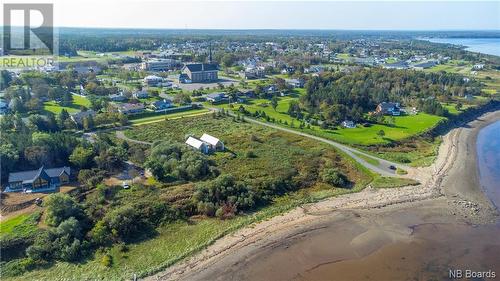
[376,234]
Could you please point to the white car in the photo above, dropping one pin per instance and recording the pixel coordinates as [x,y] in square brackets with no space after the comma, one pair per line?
[125,185]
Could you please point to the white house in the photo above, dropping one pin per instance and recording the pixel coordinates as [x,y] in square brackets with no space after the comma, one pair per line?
[213,142]
[478,66]
[349,124]
[197,144]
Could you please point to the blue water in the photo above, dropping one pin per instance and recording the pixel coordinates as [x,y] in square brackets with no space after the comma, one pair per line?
[488,157]
[489,46]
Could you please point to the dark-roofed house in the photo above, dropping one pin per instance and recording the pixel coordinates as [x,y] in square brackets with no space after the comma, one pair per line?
[389,108]
[216,97]
[41,180]
[161,104]
[130,108]
[201,72]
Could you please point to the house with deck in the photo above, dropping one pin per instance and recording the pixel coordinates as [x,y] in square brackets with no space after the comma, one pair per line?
[40,180]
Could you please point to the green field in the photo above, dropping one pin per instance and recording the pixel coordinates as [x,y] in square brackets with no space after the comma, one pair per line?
[404,127]
[391,182]
[20,226]
[78,102]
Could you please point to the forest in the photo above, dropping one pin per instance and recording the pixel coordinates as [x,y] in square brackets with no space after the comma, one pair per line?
[338,96]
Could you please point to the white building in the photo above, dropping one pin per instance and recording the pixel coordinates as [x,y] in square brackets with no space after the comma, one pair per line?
[213,142]
[197,144]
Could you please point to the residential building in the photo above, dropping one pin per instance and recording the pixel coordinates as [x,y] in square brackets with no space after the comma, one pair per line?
[118,97]
[213,143]
[388,108]
[201,72]
[197,144]
[216,97]
[161,105]
[253,73]
[141,94]
[78,117]
[295,83]
[348,124]
[153,80]
[130,108]
[40,180]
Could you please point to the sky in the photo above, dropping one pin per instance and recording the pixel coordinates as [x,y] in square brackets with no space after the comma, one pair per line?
[355,15]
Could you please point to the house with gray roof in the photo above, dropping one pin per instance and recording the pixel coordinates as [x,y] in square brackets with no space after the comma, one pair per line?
[40,180]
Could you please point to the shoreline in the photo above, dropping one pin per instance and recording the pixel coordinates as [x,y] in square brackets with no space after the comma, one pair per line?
[444,187]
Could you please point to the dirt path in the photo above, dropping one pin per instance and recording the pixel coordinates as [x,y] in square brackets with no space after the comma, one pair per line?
[121,135]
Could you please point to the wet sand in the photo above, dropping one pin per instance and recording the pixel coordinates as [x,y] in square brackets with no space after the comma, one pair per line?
[410,233]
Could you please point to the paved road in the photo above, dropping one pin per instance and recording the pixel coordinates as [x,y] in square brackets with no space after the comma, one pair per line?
[382,169]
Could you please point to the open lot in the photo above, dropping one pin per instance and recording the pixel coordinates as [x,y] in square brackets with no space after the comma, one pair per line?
[78,102]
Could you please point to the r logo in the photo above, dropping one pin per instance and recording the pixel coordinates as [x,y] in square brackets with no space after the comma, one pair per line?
[28,27]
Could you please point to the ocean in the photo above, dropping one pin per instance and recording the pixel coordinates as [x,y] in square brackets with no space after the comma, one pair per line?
[488,158]
[490,46]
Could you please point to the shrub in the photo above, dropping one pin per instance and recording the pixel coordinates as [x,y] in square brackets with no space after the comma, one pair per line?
[224,190]
[251,154]
[206,208]
[60,207]
[400,171]
[171,162]
[107,260]
[334,177]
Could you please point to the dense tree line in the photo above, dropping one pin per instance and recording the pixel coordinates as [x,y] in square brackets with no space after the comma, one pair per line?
[338,96]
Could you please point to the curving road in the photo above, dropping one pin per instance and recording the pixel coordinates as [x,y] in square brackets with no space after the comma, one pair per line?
[382,168]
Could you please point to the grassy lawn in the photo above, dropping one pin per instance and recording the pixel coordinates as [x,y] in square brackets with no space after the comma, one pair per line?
[391,182]
[56,108]
[404,127]
[160,117]
[369,160]
[20,226]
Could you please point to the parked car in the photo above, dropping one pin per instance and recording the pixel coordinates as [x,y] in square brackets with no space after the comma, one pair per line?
[125,185]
